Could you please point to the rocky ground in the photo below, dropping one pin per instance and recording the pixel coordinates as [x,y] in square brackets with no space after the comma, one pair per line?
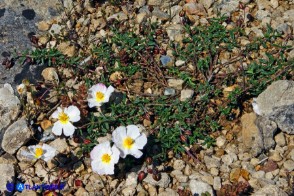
[253,153]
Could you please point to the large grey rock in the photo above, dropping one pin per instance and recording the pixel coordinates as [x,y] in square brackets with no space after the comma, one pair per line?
[18,22]
[270,190]
[268,129]
[16,136]
[279,93]
[198,187]
[7,175]
[284,117]
[9,108]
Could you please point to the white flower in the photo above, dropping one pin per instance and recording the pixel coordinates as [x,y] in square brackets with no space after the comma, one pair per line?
[44,152]
[65,117]
[21,89]
[103,158]
[99,94]
[129,140]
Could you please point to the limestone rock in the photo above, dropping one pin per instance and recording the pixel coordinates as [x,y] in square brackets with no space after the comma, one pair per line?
[284,117]
[279,93]
[251,135]
[186,94]
[16,136]
[9,108]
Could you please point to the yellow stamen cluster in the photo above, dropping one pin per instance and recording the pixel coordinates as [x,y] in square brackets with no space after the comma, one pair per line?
[99,96]
[63,118]
[106,158]
[39,152]
[128,142]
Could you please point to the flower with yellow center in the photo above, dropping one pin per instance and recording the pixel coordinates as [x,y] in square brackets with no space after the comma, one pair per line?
[129,140]
[43,151]
[103,158]
[99,94]
[65,118]
[21,89]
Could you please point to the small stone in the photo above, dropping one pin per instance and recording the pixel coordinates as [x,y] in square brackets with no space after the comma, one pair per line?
[81,192]
[220,141]
[270,190]
[254,161]
[182,178]
[214,171]
[60,145]
[217,183]
[129,191]
[163,182]
[160,14]
[207,3]
[198,187]
[180,63]
[55,29]
[43,26]
[269,175]
[175,83]
[141,17]
[194,9]
[280,139]
[186,94]
[188,170]
[131,180]
[258,174]
[165,60]
[50,74]
[169,91]
[16,136]
[289,165]
[275,3]
[118,16]
[229,158]
[168,192]
[98,23]
[152,190]
[211,162]
[173,30]
[235,174]
[275,156]
[179,165]
[244,156]
[67,49]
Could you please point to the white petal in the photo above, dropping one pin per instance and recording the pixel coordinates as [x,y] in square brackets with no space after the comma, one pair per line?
[141,141]
[49,152]
[68,129]
[133,131]
[55,114]
[124,152]
[110,90]
[136,153]
[28,155]
[97,166]
[95,153]
[93,103]
[99,87]
[73,113]
[109,169]
[57,128]
[115,155]
[118,135]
